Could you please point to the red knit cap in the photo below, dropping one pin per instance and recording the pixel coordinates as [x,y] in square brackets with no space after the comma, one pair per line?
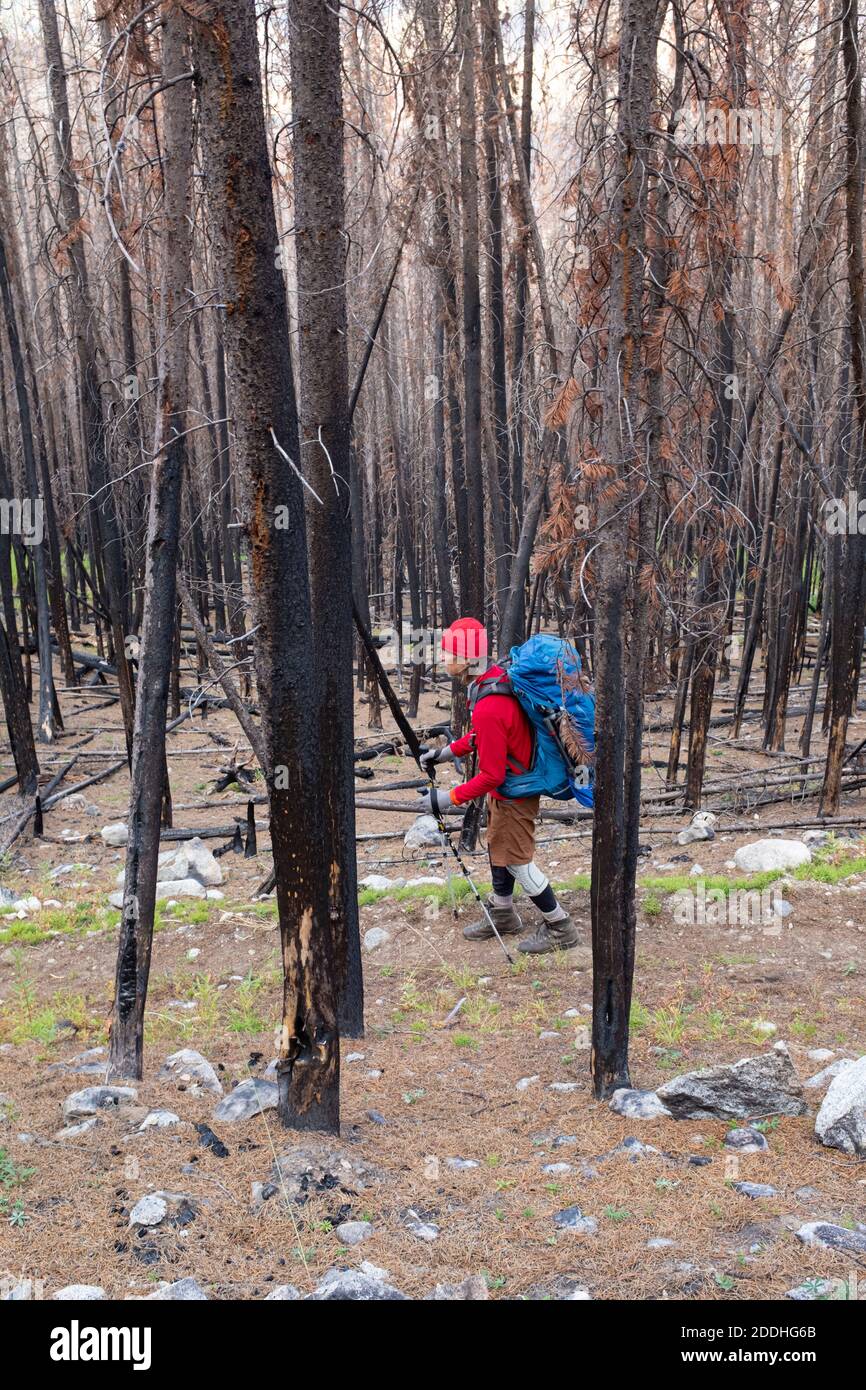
[466,639]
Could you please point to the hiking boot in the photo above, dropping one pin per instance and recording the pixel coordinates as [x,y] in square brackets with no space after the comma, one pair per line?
[507,923]
[550,936]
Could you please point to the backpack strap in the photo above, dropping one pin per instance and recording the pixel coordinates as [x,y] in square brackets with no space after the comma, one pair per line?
[499,685]
[495,685]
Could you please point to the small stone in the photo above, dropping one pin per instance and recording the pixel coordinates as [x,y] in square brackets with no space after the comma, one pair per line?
[573,1219]
[763,1026]
[156,1207]
[754,1189]
[191,1070]
[821,1054]
[375,937]
[114,835]
[182,1290]
[79,1293]
[661,1243]
[746,1141]
[348,1285]
[832,1237]
[193,953]
[637,1105]
[75,1131]
[159,1119]
[472,1290]
[841,1121]
[422,1230]
[763,855]
[94,1098]
[564,1086]
[377,1117]
[459,1164]
[813,1290]
[828,1074]
[251,1097]
[526,1081]
[282,1293]
[557,1169]
[353,1232]
[355,1057]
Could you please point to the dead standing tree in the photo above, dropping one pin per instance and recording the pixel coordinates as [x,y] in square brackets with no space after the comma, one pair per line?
[618,667]
[320,250]
[263,408]
[149,776]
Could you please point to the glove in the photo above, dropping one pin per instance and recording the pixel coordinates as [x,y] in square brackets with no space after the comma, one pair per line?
[438,804]
[431,756]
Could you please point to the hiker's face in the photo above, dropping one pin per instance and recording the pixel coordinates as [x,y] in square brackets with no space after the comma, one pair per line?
[457,667]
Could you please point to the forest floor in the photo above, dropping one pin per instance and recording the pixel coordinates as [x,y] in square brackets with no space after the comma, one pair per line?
[415,1091]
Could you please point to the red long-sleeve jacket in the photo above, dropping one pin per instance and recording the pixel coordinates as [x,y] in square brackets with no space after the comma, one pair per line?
[501,735]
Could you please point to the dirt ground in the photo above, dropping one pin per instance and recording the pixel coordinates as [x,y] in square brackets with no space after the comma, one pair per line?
[422,1091]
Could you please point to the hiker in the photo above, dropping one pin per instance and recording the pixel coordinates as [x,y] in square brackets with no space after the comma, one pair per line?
[501,734]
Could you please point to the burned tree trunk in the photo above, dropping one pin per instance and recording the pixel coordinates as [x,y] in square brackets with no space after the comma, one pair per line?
[149,776]
[234,142]
[618,671]
[325,440]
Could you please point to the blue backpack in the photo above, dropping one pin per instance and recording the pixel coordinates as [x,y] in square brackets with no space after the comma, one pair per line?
[543,675]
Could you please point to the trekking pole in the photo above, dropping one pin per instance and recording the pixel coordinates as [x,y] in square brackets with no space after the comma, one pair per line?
[414,747]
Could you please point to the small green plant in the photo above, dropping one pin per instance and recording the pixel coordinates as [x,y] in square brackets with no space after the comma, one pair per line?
[617,1213]
[651,906]
[464,1040]
[724,1281]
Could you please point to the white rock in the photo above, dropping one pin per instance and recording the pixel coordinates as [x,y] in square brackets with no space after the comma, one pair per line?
[282,1292]
[92,1099]
[353,1232]
[821,1054]
[114,835]
[823,1078]
[423,832]
[764,855]
[701,828]
[190,1069]
[214,894]
[376,936]
[378,882]
[637,1105]
[75,1131]
[159,1119]
[250,1097]
[149,1210]
[192,859]
[841,1121]
[432,879]
[79,1293]
[182,1290]
[526,1081]
[193,953]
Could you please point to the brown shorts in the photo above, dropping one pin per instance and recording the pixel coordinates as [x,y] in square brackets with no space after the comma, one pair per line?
[511,830]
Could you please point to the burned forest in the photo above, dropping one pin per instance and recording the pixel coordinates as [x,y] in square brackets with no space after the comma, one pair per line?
[433,570]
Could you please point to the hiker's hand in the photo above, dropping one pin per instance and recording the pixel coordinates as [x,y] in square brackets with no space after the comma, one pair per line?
[438,804]
[431,756]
